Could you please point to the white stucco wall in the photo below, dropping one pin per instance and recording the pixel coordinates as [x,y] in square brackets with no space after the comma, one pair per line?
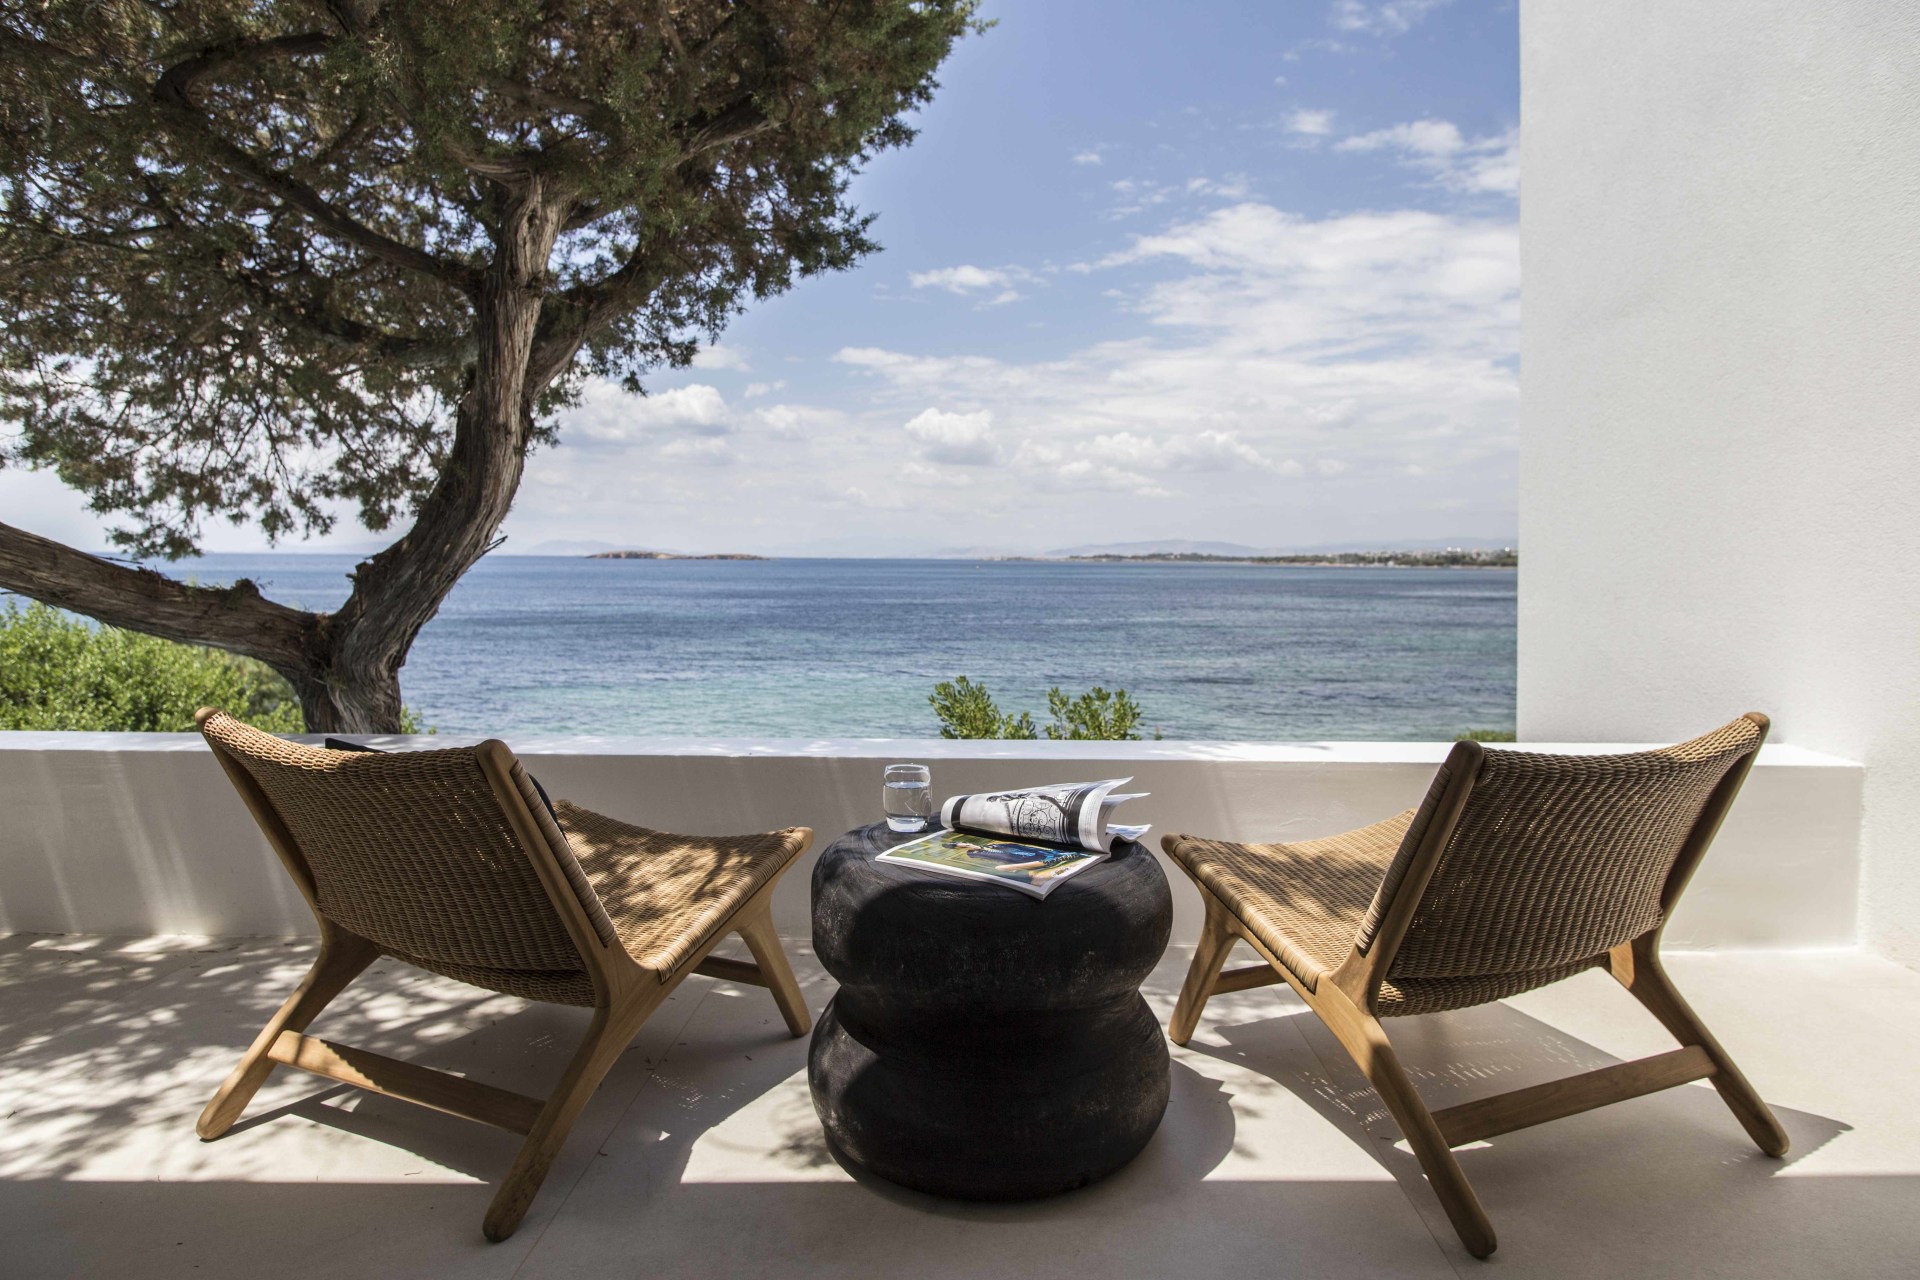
[1720,239]
[142,833]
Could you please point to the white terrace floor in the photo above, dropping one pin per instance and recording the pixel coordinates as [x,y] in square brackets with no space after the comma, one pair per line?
[700,1156]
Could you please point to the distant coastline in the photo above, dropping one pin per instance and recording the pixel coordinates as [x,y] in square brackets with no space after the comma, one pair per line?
[669,555]
[1504,558]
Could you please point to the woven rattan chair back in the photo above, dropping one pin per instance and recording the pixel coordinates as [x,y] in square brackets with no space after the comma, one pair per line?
[1554,860]
[416,852]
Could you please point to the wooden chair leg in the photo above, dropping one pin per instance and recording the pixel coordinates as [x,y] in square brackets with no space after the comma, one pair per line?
[1365,1040]
[758,931]
[611,1030]
[343,957]
[1637,967]
[1216,940]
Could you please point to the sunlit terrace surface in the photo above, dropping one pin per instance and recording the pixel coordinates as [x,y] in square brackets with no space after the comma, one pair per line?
[701,1155]
[1716,508]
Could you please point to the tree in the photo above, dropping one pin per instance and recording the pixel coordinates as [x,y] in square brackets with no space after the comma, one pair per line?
[268,260]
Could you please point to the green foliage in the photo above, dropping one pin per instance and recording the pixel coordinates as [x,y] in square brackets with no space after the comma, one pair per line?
[253,251]
[56,672]
[967,710]
[1488,735]
[1094,716]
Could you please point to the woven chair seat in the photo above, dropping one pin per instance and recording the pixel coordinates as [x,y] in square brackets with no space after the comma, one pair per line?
[1303,901]
[667,894]
[1306,901]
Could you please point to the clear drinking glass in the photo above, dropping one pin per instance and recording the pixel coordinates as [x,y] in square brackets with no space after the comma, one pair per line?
[908,796]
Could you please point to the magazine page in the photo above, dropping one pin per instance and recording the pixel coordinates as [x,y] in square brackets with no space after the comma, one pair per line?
[1072,813]
[1032,869]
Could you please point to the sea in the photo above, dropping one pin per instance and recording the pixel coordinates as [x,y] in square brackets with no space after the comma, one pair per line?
[806,648]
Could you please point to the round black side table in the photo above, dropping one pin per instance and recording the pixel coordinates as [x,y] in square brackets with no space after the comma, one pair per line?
[985,1045]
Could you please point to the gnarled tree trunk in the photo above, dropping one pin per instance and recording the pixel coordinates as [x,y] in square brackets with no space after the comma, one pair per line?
[345,665]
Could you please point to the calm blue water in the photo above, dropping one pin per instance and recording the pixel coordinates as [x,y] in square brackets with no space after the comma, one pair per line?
[851,648]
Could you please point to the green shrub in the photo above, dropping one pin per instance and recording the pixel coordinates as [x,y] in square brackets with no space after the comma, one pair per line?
[58,672]
[1488,735]
[967,710]
[1094,716]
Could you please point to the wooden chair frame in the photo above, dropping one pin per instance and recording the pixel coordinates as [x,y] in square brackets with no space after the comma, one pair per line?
[625,995]
[1345,1000]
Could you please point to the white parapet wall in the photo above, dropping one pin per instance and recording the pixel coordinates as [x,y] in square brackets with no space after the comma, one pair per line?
[143,834]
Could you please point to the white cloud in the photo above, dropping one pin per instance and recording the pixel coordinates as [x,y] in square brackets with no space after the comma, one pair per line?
[1386,18]
[1436,138]
[1201,451]
[609,413]
[706,450]
[970,281]
[961,439]
[961,279]
[1088,157]
[1282,379]
[901,367]
[1314,124]
[756,389]
[1235,186]
[1138,194]
[789,421]
[1489,165]
[1274,348]
[1055,468]
[1334,282]
[720,356]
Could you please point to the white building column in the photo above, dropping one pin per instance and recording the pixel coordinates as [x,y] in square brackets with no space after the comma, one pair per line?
[1720,458]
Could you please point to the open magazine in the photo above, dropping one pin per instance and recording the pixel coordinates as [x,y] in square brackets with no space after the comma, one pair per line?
[1072,817]
[1074,813]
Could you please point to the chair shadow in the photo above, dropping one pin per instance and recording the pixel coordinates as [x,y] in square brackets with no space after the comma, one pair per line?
[1678,1146]
[154,1036]
[109,1058]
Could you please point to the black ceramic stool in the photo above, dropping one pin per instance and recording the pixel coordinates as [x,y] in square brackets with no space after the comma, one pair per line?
[986,1045]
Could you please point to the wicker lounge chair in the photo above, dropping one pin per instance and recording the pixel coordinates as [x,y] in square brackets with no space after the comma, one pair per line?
[1517,870]
[452,861]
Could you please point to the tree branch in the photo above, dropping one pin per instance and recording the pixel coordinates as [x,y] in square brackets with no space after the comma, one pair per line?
[572,318]
[736,123]
[327,324]
[173,94]
[579,312]
[237,618]
[533,98]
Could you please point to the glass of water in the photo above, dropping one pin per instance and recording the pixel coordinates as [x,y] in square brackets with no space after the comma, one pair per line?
[908,797]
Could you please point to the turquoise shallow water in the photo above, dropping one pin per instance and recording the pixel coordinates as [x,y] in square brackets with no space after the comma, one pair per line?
[851,648]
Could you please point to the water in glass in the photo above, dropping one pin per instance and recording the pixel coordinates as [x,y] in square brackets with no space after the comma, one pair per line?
[908,797]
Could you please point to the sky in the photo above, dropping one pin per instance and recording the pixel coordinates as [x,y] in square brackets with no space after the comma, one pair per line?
[1213,271]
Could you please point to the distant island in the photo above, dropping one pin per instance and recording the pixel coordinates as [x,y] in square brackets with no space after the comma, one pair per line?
[1451,558]
[668,555]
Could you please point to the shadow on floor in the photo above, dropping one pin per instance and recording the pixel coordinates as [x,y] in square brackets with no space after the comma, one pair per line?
[1597,1177]
[700,1156]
